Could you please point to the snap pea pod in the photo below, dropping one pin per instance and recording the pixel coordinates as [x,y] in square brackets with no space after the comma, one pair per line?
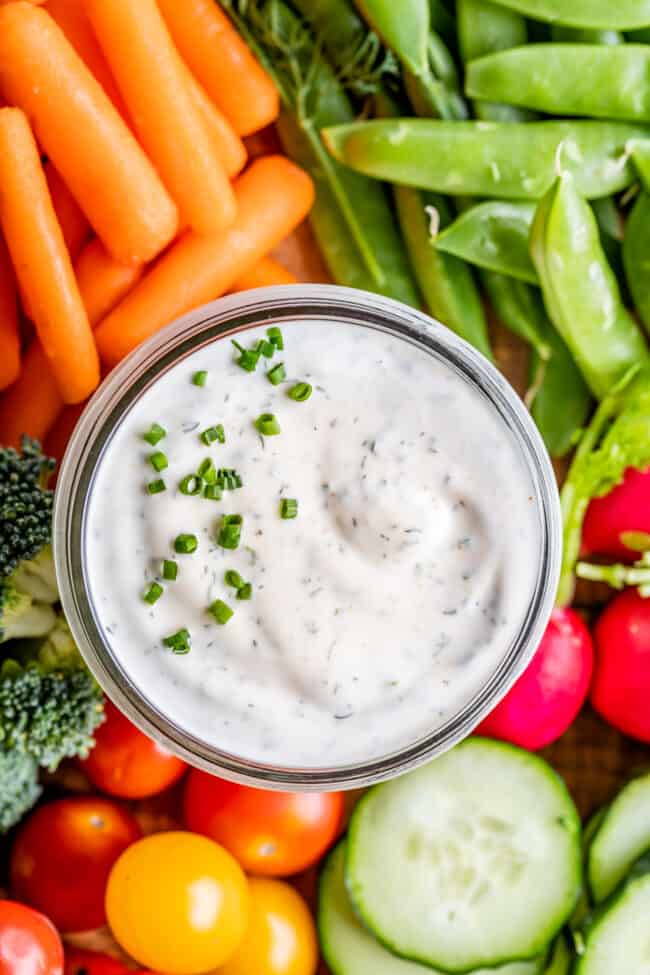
[594,80]
[581,293]
[605,14]
[582,35]
[491,159]
[610,226]
[493,235]
[351,217]
[636,256]
[483,28]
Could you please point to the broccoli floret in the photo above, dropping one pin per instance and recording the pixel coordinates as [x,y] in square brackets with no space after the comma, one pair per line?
[37,578]
[49,703]
[20,616]
[25,504]
[19,788]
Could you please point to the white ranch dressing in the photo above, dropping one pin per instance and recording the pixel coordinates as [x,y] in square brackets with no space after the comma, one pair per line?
[381,610]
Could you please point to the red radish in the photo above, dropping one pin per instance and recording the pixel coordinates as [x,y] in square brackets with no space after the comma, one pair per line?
[621,688]
[539,708]
[625,509]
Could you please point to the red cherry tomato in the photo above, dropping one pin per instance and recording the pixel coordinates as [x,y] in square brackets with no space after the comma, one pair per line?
[546,699]
[128,764]
[29,943]
[63,855]
[621,688]
[273,834]
[625,509]
[81,962]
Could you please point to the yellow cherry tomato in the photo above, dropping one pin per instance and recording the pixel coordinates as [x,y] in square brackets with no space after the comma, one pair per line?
[178,903]
[280,938]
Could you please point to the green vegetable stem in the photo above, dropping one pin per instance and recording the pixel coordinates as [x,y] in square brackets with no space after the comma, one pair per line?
[598,14]
[580,290]
[636,256]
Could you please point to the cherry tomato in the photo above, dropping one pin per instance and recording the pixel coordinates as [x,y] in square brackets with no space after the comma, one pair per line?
[274,834]
[177,903]
[29,943]
[63,855]
[128,764]
[280,938]
[81,962]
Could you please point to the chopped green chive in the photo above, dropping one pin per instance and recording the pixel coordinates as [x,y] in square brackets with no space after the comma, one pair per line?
[220,611]
[207,471]
[248,358]
[178,642]
[191,484]
[288,508]
[158,461]
[277,374]
[233,579]
[267,425]
[213,433]
[300,392]
[245,591]
[265,348]
[228,479]
[212,492]
[155,487]
[229,534]
[200,378]
[186,544]
[155,434]
[153,593]
[275,338]
[169,569]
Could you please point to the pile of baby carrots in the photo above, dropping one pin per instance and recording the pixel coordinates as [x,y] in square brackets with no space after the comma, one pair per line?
[125,198]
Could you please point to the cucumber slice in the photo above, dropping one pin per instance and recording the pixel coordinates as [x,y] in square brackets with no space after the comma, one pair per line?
[561,957]
[622,837]
[349,949]
[618,941]
[584,905]
[471,861]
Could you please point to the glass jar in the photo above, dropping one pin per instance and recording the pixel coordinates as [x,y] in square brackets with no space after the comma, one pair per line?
[228,317]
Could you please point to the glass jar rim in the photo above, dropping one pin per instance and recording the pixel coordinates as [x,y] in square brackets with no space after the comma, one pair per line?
[226,317]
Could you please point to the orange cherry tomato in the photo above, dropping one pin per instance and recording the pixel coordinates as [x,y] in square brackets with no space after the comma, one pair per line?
[29,943]
[273,834]
[178,903]
[78,961]
[280,938]
[63,854]
[128,764]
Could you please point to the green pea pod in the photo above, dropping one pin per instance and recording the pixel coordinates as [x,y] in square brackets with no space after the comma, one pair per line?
[351,217]
[580,290]
[491,159]
[493,235]
[592,80]
[483,28]
[636,256]
[599,14]
[639,152]
[610,225]
[578,35]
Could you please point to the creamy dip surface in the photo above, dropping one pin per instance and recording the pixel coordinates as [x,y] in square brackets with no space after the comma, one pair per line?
[380,610]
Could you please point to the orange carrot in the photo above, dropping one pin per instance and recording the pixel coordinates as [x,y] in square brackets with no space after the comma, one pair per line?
[226,143]
[9,328]
[74,226]
[219,58]
[80,130]
[146,67]
[57,438]
[41,260]
[103,282]
[33,403]
[3,2]
[266,272]
[273,196]
[72,18]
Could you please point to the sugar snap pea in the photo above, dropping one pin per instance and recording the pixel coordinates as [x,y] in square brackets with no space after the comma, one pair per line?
[493,235]
[491,159]
[594,80]
[636,256]
[582,35]
[581,293]
[606,14]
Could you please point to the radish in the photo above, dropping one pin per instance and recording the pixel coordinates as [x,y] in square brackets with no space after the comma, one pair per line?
[621,688]
[626,509]
[539,708]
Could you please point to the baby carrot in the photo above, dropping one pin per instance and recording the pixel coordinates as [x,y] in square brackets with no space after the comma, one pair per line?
[80,130]
[33,403]
[226,143]
[219,58]
[146,67]
[72,18]
[57,438]
[41,260]
[74,226]
[273,196]
[102,280]
[266,272]
[9,330]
